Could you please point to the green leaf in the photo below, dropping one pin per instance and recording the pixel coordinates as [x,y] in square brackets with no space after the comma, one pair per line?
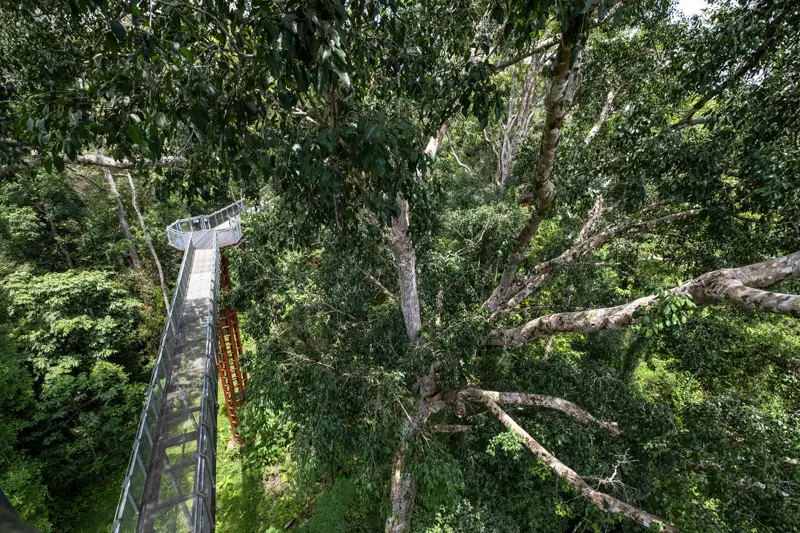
[371,131]
[48,164]
[58,161]
[499,14]
[135,133]
[185,52]
[118,30]
[161,120]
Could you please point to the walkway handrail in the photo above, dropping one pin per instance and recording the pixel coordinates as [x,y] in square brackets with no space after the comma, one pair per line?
[230,213]
[204,507]
[130,503]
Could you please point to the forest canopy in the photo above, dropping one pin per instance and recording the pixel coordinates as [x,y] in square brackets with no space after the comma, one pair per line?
[511,266]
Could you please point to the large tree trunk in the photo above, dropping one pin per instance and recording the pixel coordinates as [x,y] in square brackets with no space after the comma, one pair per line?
[149,241]
[559,97]
[406,260]
[403,486]
[123,219]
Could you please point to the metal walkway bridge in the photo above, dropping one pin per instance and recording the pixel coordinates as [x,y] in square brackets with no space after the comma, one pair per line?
[170,482]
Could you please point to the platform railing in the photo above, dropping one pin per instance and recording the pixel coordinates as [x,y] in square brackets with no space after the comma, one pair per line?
[205,473]
[130,503]
[230,215]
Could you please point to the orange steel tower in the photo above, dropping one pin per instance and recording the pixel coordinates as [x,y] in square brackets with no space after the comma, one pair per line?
[231,375]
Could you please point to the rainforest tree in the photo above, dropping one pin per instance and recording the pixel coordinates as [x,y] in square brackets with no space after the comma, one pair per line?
[567,229]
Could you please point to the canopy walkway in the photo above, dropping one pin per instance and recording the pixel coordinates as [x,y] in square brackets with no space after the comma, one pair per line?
[170,482]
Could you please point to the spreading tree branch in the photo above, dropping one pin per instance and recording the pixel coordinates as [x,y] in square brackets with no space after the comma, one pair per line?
[538,48]
[149,242]
[603,116]
[123,220]
[749,64]
[602,501]
[452,428]
[110,162]
[550,402]
[525,286]
[737,286]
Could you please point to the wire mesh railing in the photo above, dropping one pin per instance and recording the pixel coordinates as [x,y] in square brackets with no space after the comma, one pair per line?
[131,500]
[227,221]
[205,473]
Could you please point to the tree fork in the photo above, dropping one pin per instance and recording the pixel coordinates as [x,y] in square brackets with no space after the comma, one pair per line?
[558,99]
[600,500]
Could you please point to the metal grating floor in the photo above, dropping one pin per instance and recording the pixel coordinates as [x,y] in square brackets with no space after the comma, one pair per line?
[171,485]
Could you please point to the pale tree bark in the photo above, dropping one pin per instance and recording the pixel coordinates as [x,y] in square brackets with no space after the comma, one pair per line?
[455,156]
[538,48]
[525,285]
[403,488]
[149,242]
[600,500]
[594,216]
[452,428]
[557,101]
[406,259]
[522,102]
[741,287]
[549,402]
[603,116]
[123,219]
[110,162]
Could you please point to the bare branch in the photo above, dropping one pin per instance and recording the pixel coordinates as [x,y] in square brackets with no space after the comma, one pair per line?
[540,47]
[689,123]
[588,227]
[738,286]
[749,64]
[544,271]
[453,153]
[110,162]
[550,402]
[452,428]
[380,286]
[603,115]
[123,220]
[602,501]
[149,242]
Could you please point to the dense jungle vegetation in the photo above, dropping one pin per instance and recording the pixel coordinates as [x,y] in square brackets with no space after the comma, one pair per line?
[515,265]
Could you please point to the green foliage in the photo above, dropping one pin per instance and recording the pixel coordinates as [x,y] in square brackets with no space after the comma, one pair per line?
[666,311]
[78,334]
[323,110]
[334,510]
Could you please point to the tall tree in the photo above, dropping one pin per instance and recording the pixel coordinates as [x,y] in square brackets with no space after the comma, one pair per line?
[330,106]
[123,219]
[149,242]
